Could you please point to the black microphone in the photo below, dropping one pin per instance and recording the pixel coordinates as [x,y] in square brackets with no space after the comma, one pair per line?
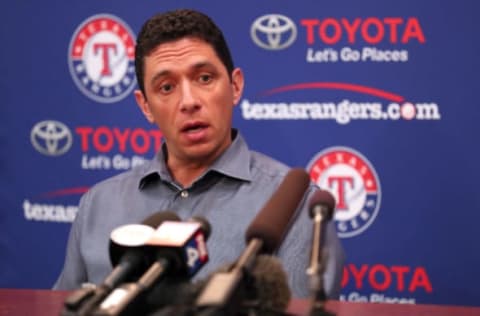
[271,292]
[321,207]
[128,258]
[269,285]
[225,291]
[127,248]
[174,297]
[177,250]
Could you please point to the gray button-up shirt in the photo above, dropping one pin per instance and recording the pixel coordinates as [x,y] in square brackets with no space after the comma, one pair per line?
[229,195]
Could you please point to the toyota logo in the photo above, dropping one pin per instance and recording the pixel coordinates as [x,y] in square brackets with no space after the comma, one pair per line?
[51,138]
[273,31]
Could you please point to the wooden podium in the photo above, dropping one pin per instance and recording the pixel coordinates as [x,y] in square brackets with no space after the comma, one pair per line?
[50,303]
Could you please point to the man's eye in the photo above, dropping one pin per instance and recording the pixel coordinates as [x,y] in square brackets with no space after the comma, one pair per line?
[205,78]
[165,88]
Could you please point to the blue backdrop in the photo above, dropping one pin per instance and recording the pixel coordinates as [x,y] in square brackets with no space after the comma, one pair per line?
[375,99]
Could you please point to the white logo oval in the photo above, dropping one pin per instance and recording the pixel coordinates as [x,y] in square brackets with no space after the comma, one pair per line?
[51,138]
[273,31]
[101,58]
[132,235]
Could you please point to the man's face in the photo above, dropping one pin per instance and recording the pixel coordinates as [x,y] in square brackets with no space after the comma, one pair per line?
[189,95]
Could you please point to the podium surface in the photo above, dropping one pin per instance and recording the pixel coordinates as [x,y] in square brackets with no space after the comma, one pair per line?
[47,303]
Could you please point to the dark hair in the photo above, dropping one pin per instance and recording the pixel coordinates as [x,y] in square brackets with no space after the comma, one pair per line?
[174,25]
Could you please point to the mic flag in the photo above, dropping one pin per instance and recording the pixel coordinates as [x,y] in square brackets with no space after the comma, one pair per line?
[225,290]
[128,260]
[127,247]
[184,243]
[176,250]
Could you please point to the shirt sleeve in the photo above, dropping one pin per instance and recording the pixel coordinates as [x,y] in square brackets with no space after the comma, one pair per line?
[74,272]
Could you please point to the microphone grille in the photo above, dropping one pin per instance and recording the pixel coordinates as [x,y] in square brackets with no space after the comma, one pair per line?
[324,199]
[272,221]
[271,284]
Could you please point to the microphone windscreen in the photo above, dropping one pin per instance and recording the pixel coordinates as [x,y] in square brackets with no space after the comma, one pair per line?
[271,222]
[156,219]
[271,285]
[325,200]
[267,290]
[172,294]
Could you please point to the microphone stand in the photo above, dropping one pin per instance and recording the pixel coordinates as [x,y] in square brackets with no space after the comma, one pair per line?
[315,270]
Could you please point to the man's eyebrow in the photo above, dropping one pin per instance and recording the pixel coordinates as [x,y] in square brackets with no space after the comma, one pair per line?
[203,64]
[158,75]
[195,66]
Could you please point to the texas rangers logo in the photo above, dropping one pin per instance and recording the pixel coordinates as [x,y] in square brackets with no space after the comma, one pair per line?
[350,177]
[101,58]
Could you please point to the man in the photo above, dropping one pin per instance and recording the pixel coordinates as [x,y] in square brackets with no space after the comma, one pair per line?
[188,86]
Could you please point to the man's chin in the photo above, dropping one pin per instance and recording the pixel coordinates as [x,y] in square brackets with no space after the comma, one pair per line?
[203,153]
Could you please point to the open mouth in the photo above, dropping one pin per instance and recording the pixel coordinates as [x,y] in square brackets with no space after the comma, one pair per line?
[194,127]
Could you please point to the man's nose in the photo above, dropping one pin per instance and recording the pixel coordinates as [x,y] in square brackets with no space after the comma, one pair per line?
[188,101]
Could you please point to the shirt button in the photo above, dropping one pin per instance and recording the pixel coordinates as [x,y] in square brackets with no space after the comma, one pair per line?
[184,194]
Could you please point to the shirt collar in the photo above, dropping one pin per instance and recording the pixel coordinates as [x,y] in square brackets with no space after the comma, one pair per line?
[234,163]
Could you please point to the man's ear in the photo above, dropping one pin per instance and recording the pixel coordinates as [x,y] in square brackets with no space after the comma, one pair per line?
[143,105]
[237,84]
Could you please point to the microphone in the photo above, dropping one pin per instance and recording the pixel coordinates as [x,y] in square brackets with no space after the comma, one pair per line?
[127,256]
[223,293]
[270,224]
[127,248]
[268,283]
[177,250]
[174,298]
[321,207]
